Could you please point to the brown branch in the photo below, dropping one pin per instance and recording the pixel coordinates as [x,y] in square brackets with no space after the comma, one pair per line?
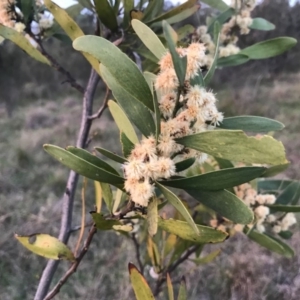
[74,266]
[99,113]
[137,252]
[173,267]
[68,197]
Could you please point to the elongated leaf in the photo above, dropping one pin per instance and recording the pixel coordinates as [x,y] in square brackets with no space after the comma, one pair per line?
[107,195]
[106,14]
[237,146]
[46,245]
[182,293]
[112,156]
[285,234]
[149,38]
[92,159]
[198,80]
[184,231]
[181,16]
[216,180]
[140,286]
[221,18]
[269,48]
[128,6]
[290,194]
[135,110]
[169,244]
[70,27]
[270,172]
[22,42]
[210,73]
[217,4]
[170,288]
[224,163]
[121,67]
[233,60]
[180,63]
[184,31]
[122,121]
[289,252]
[273,185]
[173,12]
[261,24]
[226,204]
[83,167]
[127,145]
[251,123]
[153,9]
[98,196]
[157,115]
[206,259]
[269,243]
[152,216]
[176,202]
[74,10]
[102,223]
[184,164]
[285,208]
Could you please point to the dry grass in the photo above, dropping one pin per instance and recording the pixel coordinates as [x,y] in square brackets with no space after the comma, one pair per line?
[31,184]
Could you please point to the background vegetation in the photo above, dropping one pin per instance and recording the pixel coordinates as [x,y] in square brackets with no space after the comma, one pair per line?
[36,107]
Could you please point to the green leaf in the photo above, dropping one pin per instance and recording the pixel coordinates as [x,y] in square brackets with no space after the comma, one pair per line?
[235,145]
[170,288]
[83,167]
[110,155]
[184,164]
[149,38]
[216,180]
[270,172]
[270,243]
[233,60]
[261,24]
[150,78]
[221,18]
[226,204]
[154,7]
[140,286]
[182,294]
[121,67]
[269,48]
[152,216]
[206,259]
[135,110]
[74,10]
[273,185]
[92,159]
[70,27]
[128,6]
[46,246]
[224,163]
[285,208]
[173,12]
[285,234]
[198,80]
[184,231]
[107,195]
[102,223]
[210,73]
[217,4]
[176,202]
[157,115]
[127,145]
[251,123]
[184,31]
[289,252]
[106,14]
[122,121]
[22,42]
[180,63]
[290,194]
[27,10]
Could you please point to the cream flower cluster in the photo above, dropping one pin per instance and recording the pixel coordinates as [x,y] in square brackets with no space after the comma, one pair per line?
[183,112]
[239,22]
[6,15]
[263,217]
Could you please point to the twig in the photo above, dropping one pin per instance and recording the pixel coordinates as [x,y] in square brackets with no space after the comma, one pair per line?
[99,113]
[68,197]
[137,252]
[78,227]
[74,266]
[171,268]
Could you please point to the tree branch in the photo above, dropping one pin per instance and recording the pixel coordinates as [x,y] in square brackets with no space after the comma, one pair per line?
[137,252]
[74,266]
[68,197]
[99,113]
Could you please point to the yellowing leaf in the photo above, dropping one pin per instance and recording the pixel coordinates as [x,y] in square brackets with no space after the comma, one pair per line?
[126,228]
[152,216]
[140,286]
[46,245]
